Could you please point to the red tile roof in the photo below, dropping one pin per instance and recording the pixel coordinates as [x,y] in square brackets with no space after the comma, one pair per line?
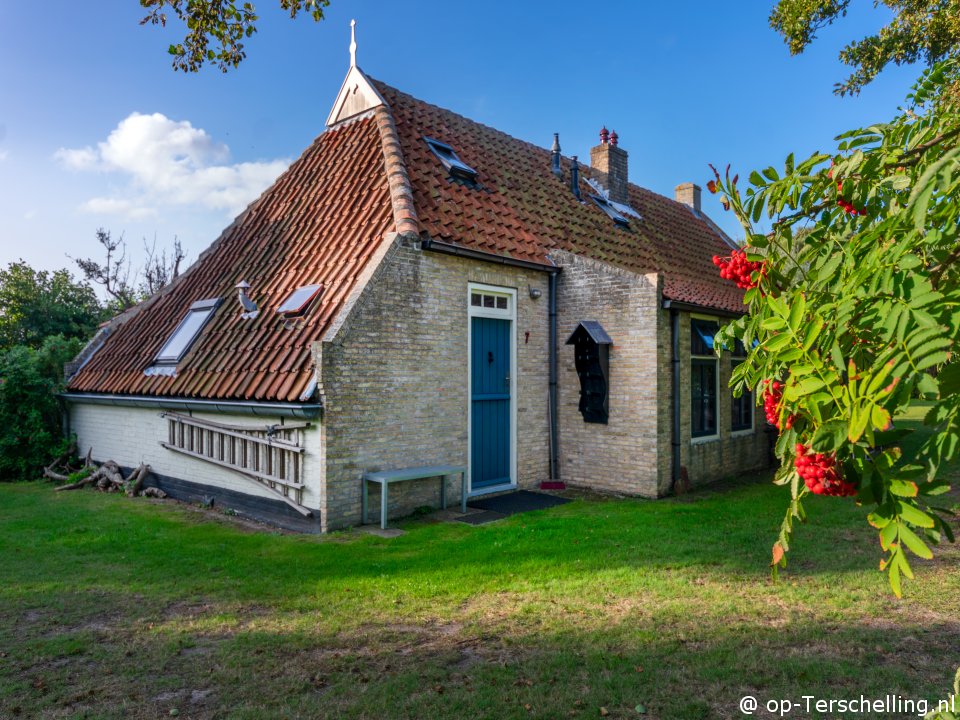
[524,211]
[319,223]
[324,218]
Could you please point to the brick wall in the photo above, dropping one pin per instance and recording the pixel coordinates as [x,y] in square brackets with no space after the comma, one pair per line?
[620,456]
[395,377]
[706,459]
[132,435]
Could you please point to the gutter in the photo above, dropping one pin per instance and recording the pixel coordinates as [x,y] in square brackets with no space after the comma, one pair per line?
[304,411]
[449,249]
[554,425]
[690,307]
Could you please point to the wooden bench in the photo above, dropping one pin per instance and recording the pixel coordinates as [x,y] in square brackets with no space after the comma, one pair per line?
[385,477]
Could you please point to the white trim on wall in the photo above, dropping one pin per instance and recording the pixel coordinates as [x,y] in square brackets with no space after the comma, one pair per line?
[510,313]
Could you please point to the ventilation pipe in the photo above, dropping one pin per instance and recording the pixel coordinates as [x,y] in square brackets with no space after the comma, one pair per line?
[557,170]
[250,309]
[575,177]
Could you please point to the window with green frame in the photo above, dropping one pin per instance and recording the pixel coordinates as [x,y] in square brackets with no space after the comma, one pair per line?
[703,378]
[741,407]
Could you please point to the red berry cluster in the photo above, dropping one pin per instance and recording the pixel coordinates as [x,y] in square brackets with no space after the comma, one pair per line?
[848,207]
[739,269]
[772,397]
[821,474]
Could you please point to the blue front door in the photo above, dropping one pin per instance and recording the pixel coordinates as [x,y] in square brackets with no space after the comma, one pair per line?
[490,400]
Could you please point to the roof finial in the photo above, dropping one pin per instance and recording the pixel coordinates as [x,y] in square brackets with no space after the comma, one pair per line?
[353,43]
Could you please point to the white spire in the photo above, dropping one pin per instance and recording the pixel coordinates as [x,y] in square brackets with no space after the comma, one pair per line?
[353,43]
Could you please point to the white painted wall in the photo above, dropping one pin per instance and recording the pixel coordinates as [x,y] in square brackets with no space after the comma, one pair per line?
[131,435]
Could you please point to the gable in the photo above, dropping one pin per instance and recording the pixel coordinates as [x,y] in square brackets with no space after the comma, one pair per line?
[319,223]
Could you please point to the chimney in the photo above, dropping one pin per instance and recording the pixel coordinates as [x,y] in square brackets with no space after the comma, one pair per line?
[688,194]
[611,160]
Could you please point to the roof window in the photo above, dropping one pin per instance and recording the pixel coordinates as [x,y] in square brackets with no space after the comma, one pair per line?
[298,301]
[457,168]
[187,331]
[612,212]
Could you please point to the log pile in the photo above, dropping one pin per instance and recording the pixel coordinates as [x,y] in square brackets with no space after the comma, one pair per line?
[106,477]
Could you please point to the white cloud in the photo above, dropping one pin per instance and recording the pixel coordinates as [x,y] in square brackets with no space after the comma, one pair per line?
[172,163]
[117,206]
[79,159]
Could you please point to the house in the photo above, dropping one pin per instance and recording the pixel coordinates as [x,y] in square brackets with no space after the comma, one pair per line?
[419,289]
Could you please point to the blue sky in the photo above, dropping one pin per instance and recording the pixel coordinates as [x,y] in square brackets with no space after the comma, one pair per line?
[97,130]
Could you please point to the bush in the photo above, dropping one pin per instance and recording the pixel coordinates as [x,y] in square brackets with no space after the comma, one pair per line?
[30,410]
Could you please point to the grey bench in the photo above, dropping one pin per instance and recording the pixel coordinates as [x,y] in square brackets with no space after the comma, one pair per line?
[385,477]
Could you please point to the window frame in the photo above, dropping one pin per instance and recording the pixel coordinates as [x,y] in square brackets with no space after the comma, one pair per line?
[619,219]
[746,399]
[317,291]
[703,360]
[453,163]
[208,307]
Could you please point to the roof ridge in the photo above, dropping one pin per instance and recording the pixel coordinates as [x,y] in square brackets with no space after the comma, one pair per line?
[401,194]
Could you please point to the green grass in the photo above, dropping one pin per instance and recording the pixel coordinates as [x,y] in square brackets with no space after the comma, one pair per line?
[119,608]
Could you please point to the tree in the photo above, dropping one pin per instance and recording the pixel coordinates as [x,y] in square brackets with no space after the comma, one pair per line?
[35,304]
[125,285]
[927,30]
[849,322]
[30,409]
[219,21]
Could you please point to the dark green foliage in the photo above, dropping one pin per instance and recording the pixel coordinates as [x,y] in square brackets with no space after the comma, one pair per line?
[35,304]
[921,30]
[30,411]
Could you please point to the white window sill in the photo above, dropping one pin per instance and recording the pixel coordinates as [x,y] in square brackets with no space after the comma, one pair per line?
[705,439]
[743,433]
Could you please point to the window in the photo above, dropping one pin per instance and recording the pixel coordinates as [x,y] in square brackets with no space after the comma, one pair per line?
[187,331]
[703,378]
[297,302]
[612,212]
[741,407]
[487,300]
[457,168]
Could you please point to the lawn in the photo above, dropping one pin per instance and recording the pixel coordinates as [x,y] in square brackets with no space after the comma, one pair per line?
[119,608]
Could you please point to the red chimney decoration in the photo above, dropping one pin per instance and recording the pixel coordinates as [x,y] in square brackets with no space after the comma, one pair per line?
[604,135]
[614,138]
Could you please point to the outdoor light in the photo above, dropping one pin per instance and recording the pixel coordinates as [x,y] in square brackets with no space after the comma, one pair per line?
[535,293]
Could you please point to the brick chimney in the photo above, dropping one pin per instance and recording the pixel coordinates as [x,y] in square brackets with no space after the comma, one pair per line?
[611,160]
[689,195]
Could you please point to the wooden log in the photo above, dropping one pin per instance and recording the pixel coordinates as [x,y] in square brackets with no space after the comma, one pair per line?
[88,461]
[136,479]
[89,480]
[154,492]
[51,475]
[50,472]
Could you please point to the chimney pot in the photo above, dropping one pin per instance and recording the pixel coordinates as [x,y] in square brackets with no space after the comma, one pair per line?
[604,135]
[614,138]
[575,177]
[688,194]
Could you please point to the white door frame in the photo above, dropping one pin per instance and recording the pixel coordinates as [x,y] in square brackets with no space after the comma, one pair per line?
[509,314]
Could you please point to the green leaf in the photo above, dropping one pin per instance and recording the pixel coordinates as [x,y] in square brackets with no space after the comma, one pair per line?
[888,535]
[903,488]
[894,576]
[914,543]
[914,515]
[830,436]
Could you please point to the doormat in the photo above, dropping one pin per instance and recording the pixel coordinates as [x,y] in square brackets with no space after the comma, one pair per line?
[517,502]
[480,518]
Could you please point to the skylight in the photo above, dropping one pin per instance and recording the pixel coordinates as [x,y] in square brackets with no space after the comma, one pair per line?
[612,212]
[187,331]
[297,302]
[448,156]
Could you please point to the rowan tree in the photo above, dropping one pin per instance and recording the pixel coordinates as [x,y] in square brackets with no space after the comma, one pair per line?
[853,319]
